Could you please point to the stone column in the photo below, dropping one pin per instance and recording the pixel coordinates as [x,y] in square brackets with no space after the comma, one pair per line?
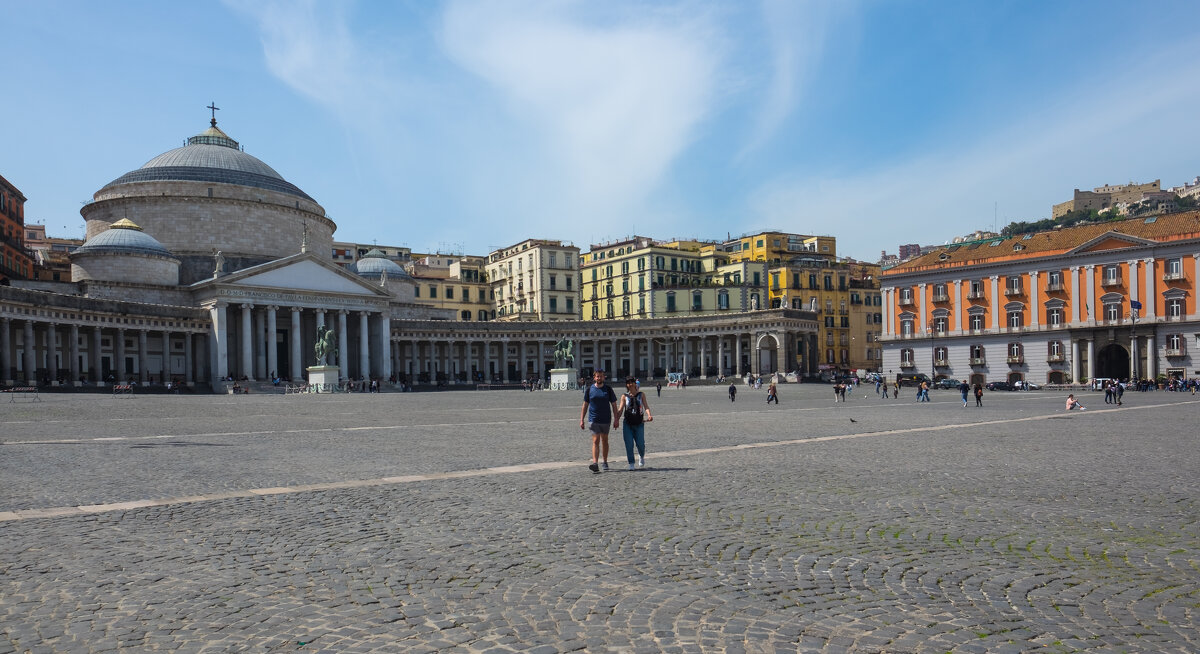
[737,362]
[1133,356]
[28,347]
[219,341]
[994,303]
[272,341]
[921,312]
[143,373]
[295,344]
[414,360]
[464,354]
[614,358]
[343,345]
[720,355]
[956,325]
[504,360]
[97,360]
[385,341]
[1091,357]
[1151,357]
[6,349]
[119,355]
[1074,361]
[1149,306]
[246,337]
[189,368]
[74,350]
[52,353]
[1196,267]
[364,345]
[258,343]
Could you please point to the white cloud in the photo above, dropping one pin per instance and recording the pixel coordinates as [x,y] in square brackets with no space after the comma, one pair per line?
[611,105]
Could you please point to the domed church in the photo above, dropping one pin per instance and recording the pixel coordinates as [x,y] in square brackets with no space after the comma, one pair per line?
[204,265]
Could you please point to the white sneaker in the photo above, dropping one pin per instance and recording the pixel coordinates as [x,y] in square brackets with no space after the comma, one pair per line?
[631,466]
[641,462]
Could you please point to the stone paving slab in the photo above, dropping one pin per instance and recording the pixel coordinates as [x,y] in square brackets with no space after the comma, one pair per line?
[468,522]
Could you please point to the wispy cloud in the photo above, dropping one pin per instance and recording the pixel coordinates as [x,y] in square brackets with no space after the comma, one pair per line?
[611,103]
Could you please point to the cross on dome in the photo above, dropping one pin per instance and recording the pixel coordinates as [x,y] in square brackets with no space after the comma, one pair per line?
[213,105]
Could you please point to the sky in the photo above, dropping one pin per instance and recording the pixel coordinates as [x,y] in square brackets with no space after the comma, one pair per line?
[464,127]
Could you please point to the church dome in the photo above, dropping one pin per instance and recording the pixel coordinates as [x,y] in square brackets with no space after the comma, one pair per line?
[375,262]
[210,156]
[123,237]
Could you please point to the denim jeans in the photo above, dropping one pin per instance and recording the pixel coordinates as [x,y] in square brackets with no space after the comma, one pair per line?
[634,435]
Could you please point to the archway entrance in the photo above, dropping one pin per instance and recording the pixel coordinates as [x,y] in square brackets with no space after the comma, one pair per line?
[1056,377]
[1112,361]
[1014,377]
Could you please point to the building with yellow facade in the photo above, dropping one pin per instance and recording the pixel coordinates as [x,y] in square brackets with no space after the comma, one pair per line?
[640,278]
[455,282]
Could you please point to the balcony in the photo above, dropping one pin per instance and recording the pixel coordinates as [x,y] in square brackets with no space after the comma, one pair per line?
[905,302]
[907,364]
[978,361]
[975,295]
[1019,359]
[1175,352]
[1109,282]
[1173,276]
[941,297]
[1055,358]
[1013,291]
[941,363]
[1053,287]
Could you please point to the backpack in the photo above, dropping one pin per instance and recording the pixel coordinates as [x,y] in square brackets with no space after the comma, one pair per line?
[633,409]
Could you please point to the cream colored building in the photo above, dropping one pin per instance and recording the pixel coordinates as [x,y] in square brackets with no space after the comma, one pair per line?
[640,278]
[455,283]
[535,279]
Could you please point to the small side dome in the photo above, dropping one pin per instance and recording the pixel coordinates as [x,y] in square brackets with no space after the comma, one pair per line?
[374,263]
[125,237]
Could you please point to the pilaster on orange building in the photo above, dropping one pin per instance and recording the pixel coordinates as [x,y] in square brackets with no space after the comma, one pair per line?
[1108,300]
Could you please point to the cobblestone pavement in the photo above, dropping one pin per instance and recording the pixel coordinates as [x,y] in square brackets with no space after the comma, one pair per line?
[468,522]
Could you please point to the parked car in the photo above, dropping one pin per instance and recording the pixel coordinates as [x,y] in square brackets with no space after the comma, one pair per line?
[1000,386]
[947,382]
[1027,386]
[912,379]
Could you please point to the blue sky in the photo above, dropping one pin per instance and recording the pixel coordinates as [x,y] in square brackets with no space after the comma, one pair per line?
[468,126]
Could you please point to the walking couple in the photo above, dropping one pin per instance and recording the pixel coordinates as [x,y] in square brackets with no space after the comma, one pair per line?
[601,411]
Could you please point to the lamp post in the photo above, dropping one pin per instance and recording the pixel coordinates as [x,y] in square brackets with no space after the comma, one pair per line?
[1134,307]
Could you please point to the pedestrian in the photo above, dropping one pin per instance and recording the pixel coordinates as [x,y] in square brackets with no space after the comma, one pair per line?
[658,387]
[600,410]
[896,390]
[836,394]
[842,391]
[1073,403]
[964,388]
[634,412]
[772,393]
[978,394]
[732,392]
[1120,392]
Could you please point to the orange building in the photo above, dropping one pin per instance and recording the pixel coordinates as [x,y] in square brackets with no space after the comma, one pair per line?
[1107,300]
[14,260]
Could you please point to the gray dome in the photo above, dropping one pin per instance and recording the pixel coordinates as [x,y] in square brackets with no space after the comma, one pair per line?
[123,237]
[373,263]
[210,156]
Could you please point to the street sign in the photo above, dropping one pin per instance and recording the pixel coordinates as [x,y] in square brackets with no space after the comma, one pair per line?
[1134,304]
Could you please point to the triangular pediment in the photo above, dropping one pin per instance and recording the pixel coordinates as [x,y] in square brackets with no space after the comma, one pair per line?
[300,273]
[1110,241]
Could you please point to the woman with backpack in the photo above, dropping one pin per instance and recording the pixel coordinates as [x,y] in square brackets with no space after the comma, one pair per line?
[634,412]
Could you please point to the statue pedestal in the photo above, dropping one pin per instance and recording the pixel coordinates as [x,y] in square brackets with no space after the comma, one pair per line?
[323,379]
[564,379]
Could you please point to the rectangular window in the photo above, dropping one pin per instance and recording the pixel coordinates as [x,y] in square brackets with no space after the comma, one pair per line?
[671,302]
[449,292]
[570,305]
[553,282]
[432,291]
[553,304]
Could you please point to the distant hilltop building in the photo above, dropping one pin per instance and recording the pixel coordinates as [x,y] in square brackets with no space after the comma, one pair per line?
[1188,189]
[1105,197]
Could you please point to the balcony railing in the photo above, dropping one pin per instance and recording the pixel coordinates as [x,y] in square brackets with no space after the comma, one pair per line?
[1055,358]
[978,361]
[1110,281]
[941,363]
[1176,352]
[907,364]
[941,297]
[1011,291]
[905,302]
[1017,359]
[974,295]
[1054,286]
[1172,276]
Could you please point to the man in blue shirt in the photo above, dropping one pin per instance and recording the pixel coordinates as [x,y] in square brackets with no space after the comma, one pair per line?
[599,409]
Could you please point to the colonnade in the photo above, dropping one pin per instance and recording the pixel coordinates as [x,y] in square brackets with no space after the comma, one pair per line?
[256,342]
[438,358]
[34,351]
